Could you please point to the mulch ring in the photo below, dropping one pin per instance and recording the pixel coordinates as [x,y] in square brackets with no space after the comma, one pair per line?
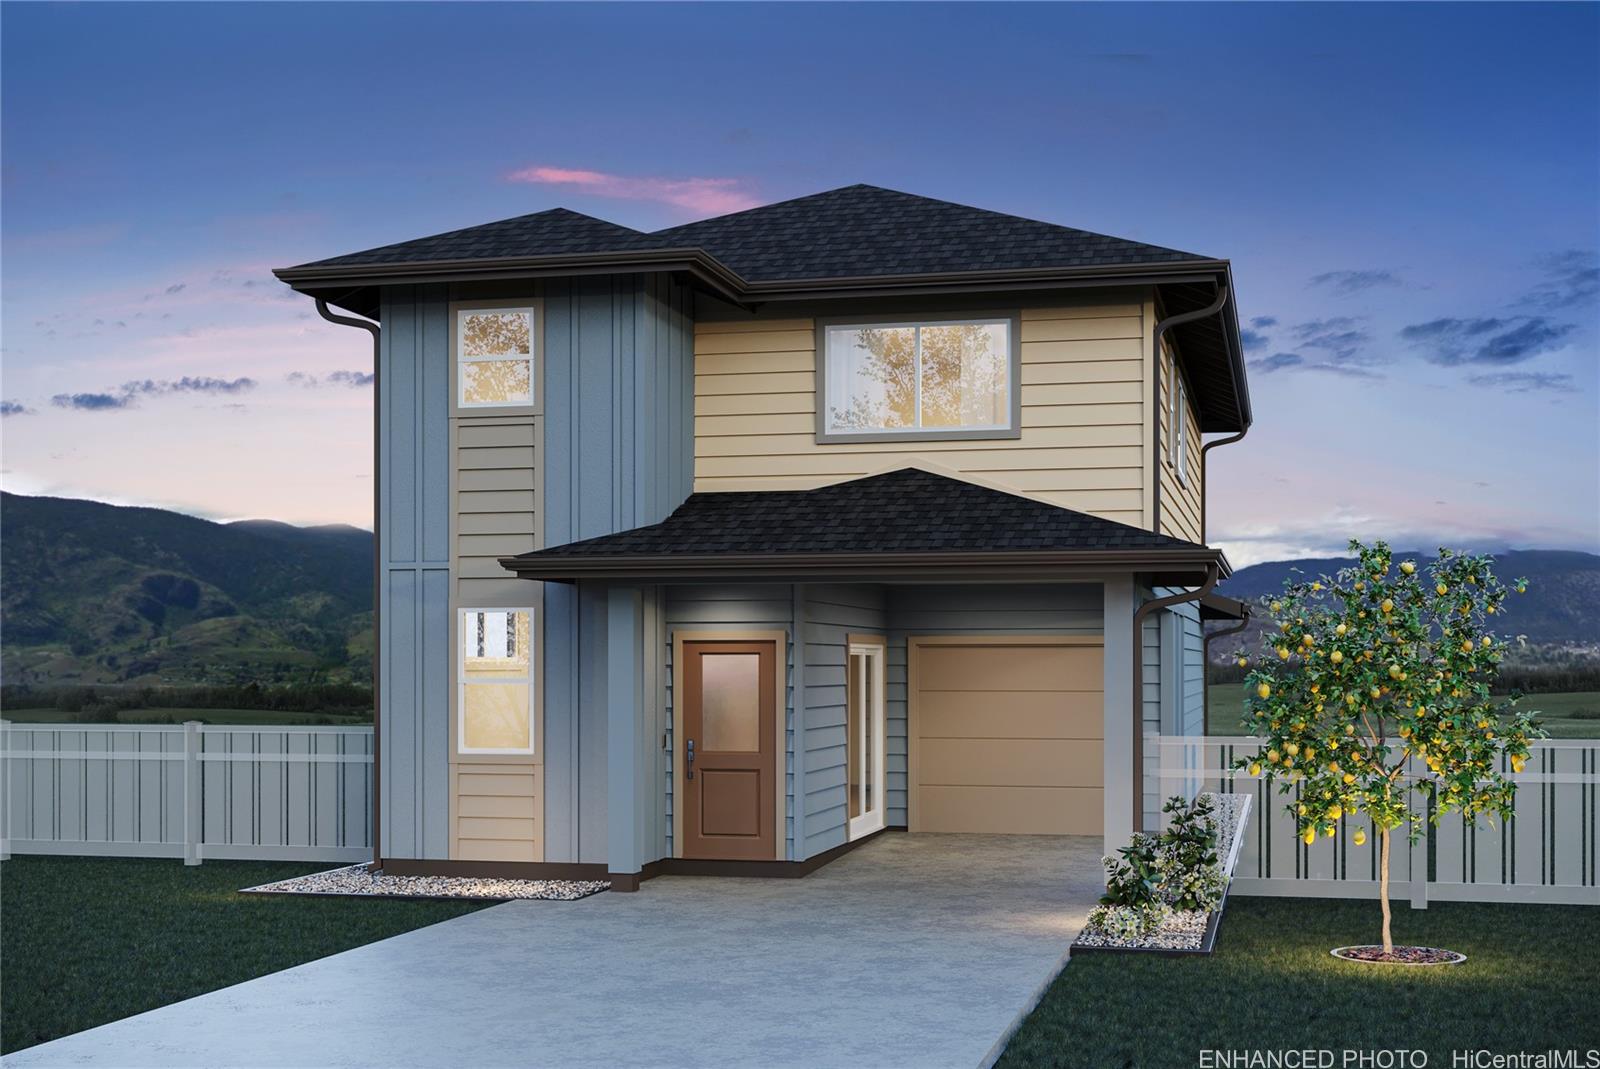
[361,882]
[1374,955]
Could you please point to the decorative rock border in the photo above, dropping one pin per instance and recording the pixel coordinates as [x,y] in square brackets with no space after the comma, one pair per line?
[1189,931]
[359,881]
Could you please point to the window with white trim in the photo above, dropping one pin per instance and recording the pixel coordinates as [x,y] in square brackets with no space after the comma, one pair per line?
[1178,427]
[918,378]
[494,357]
[494,701]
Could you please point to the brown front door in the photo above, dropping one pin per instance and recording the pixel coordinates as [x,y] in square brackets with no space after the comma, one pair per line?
[730,756]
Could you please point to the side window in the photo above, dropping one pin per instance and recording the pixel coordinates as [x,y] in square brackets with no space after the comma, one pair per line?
[1178,426]
[495,682]
[494,357]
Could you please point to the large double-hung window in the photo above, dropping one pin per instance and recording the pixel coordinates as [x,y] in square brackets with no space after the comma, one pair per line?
[495,682]
[945,378]
[495,355]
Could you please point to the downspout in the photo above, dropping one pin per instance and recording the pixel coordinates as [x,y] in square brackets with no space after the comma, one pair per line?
[377,571]
[1213,573]
[1205,654]
[1155,399]
[1204,449]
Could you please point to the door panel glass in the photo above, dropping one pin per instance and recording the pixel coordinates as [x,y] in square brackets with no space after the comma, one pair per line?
[869,688]
[730,702]
[855,739]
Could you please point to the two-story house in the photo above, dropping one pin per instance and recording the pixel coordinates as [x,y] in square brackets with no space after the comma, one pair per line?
[726,547]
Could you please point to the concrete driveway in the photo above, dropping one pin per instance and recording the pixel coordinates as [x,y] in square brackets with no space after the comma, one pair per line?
[915,950]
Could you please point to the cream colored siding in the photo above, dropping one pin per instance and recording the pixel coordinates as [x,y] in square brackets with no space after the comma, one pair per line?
[1181,503]
[1083,395]
[495,813]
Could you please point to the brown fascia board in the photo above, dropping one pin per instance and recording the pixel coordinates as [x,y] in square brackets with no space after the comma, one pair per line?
[1170,567]
[730,284]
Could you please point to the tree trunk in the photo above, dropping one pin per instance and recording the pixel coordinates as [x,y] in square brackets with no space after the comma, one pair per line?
[1383,888]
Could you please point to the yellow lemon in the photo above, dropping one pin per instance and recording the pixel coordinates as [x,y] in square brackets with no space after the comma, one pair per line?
[1336,657]
[1349,777]
[1395,672]
[1307,640]
[1291,748]
[1301,809]
[1442,589]
[1407,566]
[1340,630]
[1276,605]
[1264,691]
[1272,756]
[1486,642]
[1466,646]
[1244,662]
[1283,652]
[1284,626]
[1360,836]
[1387,606]
[1335,812]
[1309,836]
[1255,768]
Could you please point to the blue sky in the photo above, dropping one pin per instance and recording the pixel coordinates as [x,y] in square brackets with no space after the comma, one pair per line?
[1411,200]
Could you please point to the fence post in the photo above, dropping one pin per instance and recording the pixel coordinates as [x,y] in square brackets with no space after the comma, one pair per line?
[5,790]
[1418,858]
[192,787]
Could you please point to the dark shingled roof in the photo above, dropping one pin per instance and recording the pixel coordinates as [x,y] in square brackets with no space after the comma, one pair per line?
[863,230]
[556,232]
[855,231]
[905,511]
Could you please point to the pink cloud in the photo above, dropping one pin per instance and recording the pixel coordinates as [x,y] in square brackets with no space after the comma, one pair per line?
[709,196]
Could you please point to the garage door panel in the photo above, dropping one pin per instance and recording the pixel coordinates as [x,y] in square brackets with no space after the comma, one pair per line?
[954,714]
[1015,810]
[1011,763]
[996,668]
[1007,738]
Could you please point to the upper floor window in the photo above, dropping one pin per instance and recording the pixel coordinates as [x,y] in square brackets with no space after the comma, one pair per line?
[953,378]
[1178,428]
[494,357]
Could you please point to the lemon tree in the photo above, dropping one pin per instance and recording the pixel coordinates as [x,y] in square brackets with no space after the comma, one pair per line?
[1364,671]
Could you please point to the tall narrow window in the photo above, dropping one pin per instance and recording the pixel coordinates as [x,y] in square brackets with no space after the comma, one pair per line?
[1178,427]
[933,379]
[495,682]
[494,357]
[865,738]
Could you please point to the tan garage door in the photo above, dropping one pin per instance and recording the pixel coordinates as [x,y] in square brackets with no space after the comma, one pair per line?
[1006,735]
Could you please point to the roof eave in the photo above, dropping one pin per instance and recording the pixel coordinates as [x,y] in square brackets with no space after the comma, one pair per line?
[1169,567]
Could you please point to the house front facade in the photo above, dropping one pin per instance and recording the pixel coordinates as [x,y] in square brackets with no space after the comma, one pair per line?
[724,548]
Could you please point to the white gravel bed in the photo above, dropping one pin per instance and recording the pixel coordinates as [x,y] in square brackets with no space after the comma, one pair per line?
[1182,930]
[1186,929]
[359,880]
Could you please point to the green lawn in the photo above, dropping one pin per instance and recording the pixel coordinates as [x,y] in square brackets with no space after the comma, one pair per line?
[164,715]
[1565,716]
[1529,984]
[90,940]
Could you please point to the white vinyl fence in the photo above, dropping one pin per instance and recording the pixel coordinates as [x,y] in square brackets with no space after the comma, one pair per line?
[1546,853]
[187,790]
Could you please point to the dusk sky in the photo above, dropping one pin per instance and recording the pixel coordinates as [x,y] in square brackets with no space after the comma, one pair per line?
[1410,196]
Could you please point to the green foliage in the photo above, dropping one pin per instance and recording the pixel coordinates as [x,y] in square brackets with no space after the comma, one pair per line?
[102,704]
[1191,877]
[1380,663]
[1132,882]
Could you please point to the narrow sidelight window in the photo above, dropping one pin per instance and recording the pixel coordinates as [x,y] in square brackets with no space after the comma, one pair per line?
[940,379]
[865,738]
[494,357]
[495,682]
[1178,427]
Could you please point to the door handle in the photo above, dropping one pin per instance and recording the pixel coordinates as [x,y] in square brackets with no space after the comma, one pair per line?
[688,760]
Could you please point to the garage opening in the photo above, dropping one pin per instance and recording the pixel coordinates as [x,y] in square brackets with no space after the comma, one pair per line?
[1005,734]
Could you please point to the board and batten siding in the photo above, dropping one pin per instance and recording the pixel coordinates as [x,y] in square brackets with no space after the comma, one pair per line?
[1085,389]
[413,531]
[610,448]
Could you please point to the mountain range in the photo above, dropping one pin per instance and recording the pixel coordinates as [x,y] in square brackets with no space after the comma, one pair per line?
[96,594]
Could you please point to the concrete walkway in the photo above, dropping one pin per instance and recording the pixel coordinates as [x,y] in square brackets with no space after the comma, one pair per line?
[915,950]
